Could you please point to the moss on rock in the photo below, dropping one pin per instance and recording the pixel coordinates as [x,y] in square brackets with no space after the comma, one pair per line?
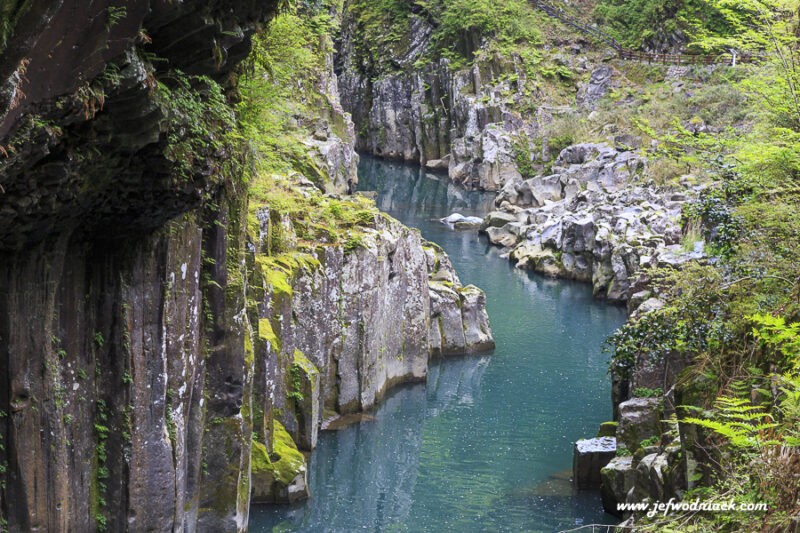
[285,462]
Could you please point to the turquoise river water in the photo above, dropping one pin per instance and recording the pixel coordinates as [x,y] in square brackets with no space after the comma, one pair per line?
[486,444]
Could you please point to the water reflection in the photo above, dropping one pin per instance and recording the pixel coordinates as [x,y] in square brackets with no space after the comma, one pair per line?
[485,445]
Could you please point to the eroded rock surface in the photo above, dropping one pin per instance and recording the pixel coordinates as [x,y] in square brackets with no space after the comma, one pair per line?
[591,220]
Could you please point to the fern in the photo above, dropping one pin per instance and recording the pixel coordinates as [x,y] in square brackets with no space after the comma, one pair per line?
[743,425]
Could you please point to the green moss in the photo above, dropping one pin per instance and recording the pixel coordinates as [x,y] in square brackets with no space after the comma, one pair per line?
[305,364]
[279,280]
[607,429]
[249,351]
[267,334]
[286,460]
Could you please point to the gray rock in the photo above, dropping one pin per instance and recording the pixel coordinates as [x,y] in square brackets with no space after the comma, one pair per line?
[502,236]
[617,479]
[650,479]
[589,457]
[438,164]
[648,306]
[597,87]
[459,221]
[452,219]
[469,223]
[498,219]
[639,419]
[627,142]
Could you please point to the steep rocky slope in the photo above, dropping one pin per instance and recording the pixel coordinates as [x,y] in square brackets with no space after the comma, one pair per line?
[145,334]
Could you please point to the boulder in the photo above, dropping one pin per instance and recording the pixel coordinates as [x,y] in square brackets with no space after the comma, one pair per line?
[588,458]
[639,419]
[453,218]
[438,164]
[543,189]
[617,479]
[459,221]
[596,88]
[504,236]
[498,219]
[469,223]
[649,479]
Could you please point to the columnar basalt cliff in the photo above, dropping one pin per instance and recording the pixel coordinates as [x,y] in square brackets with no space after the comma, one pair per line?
[456,120]
[144,335]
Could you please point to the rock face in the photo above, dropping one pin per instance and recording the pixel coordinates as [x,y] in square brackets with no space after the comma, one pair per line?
[652,471]
[639,419]
[617,478]
[123,352]
[590,221]
[447,119]
[362,320]
[140,348]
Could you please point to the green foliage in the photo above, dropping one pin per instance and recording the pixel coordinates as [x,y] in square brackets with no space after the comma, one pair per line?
[645,392]
[779,338]
[741,424]
[460,28]
[650,441]
[280,94]
[759,26]
[695,322]
[463,23]
[101,474]
[523,156]
[200,123]
[635,22]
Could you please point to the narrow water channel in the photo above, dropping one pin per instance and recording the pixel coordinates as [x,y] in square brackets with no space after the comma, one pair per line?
[486,444]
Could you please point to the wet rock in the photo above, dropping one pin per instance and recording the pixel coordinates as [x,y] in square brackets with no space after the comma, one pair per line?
[459,221]
[469,223]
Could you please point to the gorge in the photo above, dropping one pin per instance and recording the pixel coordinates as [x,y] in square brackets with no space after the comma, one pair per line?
[199,279]
[451,452]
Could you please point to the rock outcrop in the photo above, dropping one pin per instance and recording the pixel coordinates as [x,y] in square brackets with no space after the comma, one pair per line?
[345,324]
[144,344]
[122,353]
[589,457]
[460,120]
[591,221]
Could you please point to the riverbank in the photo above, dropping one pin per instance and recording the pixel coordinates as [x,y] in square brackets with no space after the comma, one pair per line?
[480,443]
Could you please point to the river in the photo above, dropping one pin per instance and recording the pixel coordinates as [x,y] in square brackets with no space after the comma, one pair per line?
[486,444]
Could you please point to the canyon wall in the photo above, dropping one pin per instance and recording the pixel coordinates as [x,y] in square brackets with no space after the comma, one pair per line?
[137,353]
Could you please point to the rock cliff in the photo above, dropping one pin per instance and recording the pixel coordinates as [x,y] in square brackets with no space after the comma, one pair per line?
[454,119]
[146,333]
